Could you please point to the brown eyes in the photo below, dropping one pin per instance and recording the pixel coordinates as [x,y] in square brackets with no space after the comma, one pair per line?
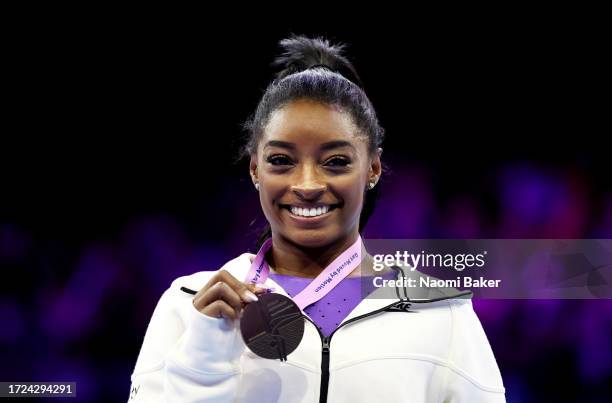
[338,161]
[280,160]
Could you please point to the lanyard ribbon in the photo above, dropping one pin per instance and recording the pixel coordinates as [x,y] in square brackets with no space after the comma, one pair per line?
[329,278]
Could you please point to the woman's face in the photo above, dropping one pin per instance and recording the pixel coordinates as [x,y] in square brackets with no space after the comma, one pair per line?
[312,168]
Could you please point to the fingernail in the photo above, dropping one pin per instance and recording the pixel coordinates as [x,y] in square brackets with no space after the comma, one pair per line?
[250,297]
[265,289]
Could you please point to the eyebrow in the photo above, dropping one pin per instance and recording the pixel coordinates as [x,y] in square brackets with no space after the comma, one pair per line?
[325,146]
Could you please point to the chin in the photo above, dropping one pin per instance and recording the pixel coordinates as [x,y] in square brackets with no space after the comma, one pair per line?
[311,239]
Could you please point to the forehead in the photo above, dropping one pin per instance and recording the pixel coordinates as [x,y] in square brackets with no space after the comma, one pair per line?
[306,121]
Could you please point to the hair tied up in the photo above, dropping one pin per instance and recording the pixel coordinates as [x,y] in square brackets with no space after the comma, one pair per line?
[302,53]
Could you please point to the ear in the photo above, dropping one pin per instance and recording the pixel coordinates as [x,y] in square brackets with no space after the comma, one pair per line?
[253,168]
[375,167]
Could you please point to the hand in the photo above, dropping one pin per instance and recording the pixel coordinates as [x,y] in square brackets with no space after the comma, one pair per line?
[225,296]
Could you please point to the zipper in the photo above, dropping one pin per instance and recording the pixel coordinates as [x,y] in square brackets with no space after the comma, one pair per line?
[325,348]
[324,369]
[402,305]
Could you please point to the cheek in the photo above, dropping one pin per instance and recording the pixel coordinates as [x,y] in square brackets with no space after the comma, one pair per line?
[352,194]
[269,210]
[356,198]
[271,194]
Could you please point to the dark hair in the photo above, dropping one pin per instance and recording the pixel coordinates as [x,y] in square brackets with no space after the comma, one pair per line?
[312,68]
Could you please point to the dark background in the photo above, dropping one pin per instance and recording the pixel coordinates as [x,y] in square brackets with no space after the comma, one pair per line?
[118,175]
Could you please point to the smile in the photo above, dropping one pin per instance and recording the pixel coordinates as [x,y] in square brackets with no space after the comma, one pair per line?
[307,212]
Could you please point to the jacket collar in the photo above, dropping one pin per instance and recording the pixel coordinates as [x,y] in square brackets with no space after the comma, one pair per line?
[378,299]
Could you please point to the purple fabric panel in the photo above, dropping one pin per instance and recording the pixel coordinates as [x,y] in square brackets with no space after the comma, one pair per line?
[329,311]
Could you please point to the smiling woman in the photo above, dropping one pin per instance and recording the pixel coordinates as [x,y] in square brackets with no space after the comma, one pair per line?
[312,169]
[313,145]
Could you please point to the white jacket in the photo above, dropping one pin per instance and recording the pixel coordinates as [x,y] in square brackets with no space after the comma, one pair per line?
[435,352]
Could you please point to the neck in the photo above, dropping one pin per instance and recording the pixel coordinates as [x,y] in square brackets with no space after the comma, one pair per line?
[286,257]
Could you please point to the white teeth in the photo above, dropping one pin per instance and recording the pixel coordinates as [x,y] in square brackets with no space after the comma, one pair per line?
[309,212]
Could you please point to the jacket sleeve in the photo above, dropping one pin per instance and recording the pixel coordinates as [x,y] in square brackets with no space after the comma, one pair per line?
[472,374]
[186,359]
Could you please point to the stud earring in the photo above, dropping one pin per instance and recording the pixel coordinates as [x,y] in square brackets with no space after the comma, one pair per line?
[257,186]
[371,185]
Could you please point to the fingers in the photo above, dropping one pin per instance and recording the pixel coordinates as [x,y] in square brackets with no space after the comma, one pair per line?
[243,290]
[225,296]
[219,291]
[220,309]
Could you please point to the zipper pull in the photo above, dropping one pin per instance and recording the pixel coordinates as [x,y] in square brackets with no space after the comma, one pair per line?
[326,345]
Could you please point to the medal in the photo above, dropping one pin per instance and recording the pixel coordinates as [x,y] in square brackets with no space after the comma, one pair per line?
[273,326]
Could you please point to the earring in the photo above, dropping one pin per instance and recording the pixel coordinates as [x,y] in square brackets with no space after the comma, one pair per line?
[371,185]
[257,186]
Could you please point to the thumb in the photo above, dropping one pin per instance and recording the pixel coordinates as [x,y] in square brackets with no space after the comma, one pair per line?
[259,288]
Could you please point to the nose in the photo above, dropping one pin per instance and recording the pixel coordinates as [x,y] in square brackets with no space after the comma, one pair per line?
[308,184]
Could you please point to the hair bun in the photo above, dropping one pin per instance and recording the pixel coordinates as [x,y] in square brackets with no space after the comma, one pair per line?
[301,53]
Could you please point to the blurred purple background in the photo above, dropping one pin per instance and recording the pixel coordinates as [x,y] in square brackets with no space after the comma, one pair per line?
[132,184]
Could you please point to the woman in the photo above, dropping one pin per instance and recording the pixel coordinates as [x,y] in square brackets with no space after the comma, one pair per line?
[315,158]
